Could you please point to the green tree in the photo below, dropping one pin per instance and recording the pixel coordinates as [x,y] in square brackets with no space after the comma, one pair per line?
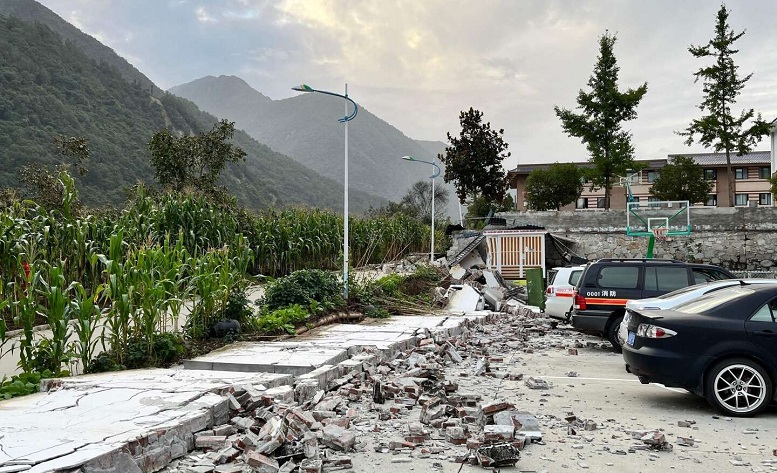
[474,160]
[552,188]
[418,201]
[56,189]
[598,125]
[721,85]
[681,179]
[77,149]
[193,161]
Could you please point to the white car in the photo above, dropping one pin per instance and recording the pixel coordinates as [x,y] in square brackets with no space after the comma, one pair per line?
[676,298]
[561,291]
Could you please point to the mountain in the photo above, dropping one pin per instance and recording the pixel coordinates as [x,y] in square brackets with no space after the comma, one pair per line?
[305,127]
[31,11]
[51,87]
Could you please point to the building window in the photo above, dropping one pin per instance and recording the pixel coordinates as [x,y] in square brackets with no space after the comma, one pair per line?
[740,200]
[740,173]
[600,202]
[653,175]
[653,199]
[765,198]
[764,172]
[711,174]
[712,201]
[582,203]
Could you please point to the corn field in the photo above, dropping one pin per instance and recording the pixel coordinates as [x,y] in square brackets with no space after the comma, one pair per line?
[112,282]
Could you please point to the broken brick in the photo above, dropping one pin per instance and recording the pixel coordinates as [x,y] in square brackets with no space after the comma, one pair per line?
[261,463]
[338,438]
[212,442]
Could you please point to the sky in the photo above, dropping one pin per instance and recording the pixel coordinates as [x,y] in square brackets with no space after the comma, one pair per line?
[417,64]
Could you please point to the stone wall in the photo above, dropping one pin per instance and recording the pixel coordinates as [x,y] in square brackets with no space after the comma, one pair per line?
[736,238]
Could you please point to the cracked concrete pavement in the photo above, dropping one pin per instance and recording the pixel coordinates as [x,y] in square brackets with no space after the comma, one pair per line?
[592,415]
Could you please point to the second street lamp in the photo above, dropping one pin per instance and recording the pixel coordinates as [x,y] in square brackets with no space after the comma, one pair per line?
[348,117]
[437,173]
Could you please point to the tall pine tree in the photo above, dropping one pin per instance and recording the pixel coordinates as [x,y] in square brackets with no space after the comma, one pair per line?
[474,159]
[598,125]
[721,85]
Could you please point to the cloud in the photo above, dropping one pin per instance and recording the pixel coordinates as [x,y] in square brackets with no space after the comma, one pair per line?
[203,15]
[418,64]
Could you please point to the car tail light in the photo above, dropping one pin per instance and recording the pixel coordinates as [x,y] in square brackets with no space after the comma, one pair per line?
[654,331]
[550,291]
[579,301]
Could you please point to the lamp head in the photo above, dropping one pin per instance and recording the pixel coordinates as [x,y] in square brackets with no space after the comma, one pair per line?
[303,88]
[408,158]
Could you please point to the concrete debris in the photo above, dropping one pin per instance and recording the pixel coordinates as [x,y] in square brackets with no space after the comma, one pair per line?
[315,425]
[478,288]
[494,456]
[656,440]
[686,441]
[537,383]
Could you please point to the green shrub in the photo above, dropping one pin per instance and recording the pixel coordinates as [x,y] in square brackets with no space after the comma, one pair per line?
[285,319]
[103,363]
[238,306]
[164,349]
[302,288]
[22,384]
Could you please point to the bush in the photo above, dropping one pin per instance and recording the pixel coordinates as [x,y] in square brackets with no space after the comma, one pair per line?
[164,349]
[22,384]
[238,307]
[302,288]
[285,319]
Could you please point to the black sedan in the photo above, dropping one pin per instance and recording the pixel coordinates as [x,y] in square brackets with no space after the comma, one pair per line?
[722,346]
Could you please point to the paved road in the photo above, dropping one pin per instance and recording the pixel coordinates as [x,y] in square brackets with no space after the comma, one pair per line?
[617,402]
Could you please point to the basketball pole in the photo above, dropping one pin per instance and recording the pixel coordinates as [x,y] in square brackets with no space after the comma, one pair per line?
[651,244]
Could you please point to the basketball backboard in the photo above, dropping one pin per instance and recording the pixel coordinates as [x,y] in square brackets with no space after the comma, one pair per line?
[643,217]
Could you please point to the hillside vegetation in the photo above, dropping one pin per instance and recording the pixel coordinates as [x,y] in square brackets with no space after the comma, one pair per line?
[51,88]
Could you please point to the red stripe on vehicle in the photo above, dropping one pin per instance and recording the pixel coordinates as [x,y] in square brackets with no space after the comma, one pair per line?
[597,300]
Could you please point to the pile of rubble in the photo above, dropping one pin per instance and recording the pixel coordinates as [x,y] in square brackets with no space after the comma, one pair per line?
[397,405]
[478,288]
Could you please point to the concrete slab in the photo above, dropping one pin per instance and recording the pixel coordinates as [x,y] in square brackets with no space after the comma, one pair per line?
[267,357]
[463,299]
[139,421]
[82,419]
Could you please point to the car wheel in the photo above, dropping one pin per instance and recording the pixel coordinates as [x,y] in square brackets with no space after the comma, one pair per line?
[612,334]
[738,387]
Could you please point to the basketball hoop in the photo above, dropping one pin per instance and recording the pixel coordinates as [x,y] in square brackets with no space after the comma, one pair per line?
[660,233]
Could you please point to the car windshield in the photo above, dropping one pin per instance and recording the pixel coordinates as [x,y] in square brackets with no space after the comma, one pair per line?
[713,299]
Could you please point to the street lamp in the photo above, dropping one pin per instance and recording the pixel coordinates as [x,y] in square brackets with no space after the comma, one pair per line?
[345,119]
[437,173]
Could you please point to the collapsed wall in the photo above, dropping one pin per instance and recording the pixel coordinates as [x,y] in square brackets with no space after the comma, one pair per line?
[739,238]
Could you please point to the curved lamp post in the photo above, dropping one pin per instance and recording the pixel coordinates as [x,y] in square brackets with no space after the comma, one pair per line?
[436,173]
[345,119]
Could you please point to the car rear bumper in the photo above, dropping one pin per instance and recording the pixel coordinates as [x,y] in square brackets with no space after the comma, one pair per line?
[653,365]
[590,321]
[558,307]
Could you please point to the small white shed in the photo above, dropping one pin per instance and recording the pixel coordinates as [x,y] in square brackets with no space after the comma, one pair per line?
[511,252]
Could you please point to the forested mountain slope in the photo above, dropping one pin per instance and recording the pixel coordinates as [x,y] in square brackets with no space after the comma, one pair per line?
[49,87]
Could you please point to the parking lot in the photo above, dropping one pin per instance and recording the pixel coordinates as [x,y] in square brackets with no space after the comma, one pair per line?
[603,392]
[593,386]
